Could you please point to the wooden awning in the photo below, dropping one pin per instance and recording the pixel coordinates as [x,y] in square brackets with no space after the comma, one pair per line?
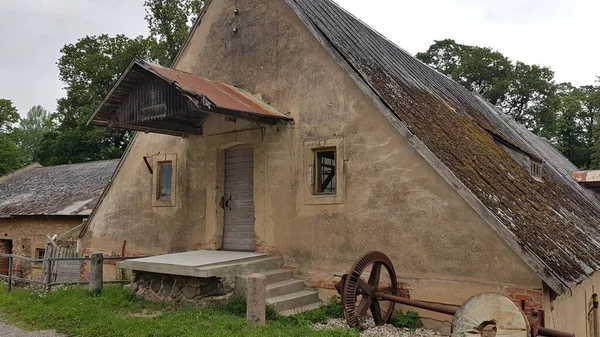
[152,98]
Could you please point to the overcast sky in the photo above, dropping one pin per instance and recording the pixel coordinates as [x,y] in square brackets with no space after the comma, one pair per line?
[561,34]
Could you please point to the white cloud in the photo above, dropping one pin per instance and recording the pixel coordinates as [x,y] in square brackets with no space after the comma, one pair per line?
[561,34]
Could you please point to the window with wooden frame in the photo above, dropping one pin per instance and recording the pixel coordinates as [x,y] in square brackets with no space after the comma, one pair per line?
[325,171]
[164,179]
[39,253]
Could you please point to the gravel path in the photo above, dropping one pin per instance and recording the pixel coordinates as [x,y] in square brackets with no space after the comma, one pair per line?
[7,330]
[376,331]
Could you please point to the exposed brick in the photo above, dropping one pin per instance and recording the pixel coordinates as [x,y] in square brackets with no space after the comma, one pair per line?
[532,298]
[534,292]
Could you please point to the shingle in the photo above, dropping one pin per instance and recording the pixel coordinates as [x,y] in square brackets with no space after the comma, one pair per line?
[55,190]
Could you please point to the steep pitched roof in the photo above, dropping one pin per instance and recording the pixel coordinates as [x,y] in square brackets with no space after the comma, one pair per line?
[55,190]
[554,224]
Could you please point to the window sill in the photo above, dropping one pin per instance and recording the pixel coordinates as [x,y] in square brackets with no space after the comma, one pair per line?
[324,199]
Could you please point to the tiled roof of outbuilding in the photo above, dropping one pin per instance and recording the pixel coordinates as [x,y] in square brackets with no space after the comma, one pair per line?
[55,190]
[553,224]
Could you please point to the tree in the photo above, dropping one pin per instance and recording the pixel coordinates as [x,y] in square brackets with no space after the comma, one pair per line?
[31,130]
[527,92]
[530,97]
[169,22]
[569,132]
[10,154]
[481,70]
[8,115]
[591,116]
[89,68]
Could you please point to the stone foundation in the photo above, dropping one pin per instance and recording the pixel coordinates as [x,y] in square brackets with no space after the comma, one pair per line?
[175,288]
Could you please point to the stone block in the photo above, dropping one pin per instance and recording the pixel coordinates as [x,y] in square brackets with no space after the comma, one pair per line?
[256,299]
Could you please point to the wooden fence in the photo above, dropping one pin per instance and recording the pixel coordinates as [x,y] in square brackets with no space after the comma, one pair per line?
[51,275]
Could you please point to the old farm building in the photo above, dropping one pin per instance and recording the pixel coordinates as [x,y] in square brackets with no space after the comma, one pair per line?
[36,201]
[289,127]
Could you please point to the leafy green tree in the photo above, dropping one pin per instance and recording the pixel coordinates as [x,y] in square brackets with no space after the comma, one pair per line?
[89,68]
[8,115]
[530,97]
[31,130]
[10,154]
[481,70]
[569,131]
[527,92]
[591,118]
[169,22]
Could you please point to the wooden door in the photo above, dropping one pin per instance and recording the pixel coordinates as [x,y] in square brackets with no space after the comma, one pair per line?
[238,225]
[5,248]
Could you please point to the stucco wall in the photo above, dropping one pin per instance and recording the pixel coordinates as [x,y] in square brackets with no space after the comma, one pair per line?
[569,311]
[28,234]
[394,201]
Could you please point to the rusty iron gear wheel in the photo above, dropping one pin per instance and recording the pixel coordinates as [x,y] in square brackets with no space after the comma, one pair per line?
[369,291]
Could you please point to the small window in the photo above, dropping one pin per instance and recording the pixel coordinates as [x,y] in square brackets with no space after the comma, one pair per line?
[325,171]
[39,253]
[165,171]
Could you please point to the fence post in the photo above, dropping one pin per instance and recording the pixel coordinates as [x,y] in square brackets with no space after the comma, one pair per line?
[96,270]
[10,268]
[48,274]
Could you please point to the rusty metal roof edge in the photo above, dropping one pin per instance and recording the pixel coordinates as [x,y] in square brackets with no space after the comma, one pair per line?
[198,95]
[532,260]
[250,96]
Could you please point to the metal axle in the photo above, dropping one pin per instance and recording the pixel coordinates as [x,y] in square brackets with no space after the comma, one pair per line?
[451,310]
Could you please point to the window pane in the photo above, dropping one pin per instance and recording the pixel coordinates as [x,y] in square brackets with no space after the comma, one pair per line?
[166,174]
[325,172]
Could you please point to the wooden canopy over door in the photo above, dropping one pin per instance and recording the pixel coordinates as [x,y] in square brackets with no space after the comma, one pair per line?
[238,226]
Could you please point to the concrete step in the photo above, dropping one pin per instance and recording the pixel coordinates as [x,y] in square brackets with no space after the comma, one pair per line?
[256,265]
[276,275]
[273,276]
[295,311]
[294,300]
[284,287]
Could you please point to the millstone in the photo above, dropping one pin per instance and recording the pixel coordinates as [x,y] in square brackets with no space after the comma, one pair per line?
[488,315]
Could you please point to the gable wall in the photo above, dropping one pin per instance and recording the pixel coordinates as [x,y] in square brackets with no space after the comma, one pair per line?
[394,201]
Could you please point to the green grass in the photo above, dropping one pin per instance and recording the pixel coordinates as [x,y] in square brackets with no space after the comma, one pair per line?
[74,312]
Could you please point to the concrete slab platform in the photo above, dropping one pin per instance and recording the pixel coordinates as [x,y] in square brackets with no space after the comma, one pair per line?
[188,263]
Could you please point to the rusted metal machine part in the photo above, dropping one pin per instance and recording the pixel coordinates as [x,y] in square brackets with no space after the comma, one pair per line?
[360,296]
[553,333]
[369,292]
[441,308]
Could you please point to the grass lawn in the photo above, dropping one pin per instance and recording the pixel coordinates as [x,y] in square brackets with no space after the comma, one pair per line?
[116,312]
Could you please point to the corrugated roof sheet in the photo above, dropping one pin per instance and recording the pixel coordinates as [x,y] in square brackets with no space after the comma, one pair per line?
[221,94]
[208,97]
[55,190]
[555,222]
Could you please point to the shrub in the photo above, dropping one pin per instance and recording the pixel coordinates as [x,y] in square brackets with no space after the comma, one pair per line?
[410,320]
